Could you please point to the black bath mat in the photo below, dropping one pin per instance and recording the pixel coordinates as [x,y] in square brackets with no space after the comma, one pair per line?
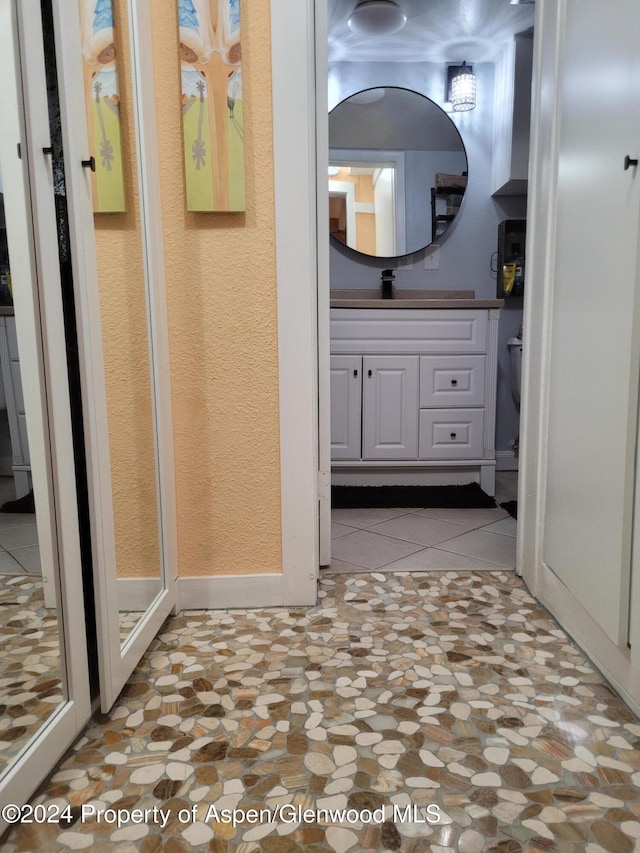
[511,507]
[469,496]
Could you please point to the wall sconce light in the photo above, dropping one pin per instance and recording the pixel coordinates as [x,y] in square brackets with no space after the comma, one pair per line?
[461,87]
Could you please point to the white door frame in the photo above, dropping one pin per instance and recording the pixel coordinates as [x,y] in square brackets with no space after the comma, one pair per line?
[322,285]
[298,269]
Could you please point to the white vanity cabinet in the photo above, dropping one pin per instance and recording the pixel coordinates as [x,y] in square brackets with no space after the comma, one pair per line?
[413,396]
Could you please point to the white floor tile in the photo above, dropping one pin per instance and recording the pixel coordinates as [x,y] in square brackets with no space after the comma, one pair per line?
[8,566]
[338,530]
[492,547]
[448,529]
[434,559]
[370,550]
[362,518]
[466,517]
[19,537]
[29,559]
[417,528]
[507,526]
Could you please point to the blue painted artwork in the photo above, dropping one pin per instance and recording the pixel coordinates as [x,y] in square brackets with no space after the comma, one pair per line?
[187,15]
[103,15]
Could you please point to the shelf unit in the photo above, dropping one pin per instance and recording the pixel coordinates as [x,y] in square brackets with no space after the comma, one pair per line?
[440,219]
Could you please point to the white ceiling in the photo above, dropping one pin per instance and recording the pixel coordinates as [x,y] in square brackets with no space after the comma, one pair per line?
[436,31]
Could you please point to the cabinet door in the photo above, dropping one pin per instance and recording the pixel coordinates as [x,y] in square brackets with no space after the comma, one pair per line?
[390,407]
[346,406]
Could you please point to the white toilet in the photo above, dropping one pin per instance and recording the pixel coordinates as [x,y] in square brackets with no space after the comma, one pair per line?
[515,356]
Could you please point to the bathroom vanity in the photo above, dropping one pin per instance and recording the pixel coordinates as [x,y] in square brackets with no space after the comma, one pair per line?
[413,388]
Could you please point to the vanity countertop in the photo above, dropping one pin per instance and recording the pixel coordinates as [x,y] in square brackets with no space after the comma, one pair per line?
[370,298]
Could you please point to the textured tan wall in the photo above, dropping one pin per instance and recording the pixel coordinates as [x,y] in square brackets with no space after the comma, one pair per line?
[126,357]
[221,285]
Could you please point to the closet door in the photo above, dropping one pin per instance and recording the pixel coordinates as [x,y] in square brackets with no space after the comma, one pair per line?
[107,109]
[44,683]
[593,376]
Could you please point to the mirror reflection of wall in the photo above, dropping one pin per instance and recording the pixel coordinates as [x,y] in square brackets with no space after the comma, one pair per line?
[125,340]
[391,147]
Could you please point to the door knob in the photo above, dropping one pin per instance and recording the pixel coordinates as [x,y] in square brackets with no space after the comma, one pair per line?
[628,161]
[90,163]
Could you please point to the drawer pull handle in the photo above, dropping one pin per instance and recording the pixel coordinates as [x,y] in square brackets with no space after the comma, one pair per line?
[454,381]
[355,373]
[89,164]
[369,373]
[453,435]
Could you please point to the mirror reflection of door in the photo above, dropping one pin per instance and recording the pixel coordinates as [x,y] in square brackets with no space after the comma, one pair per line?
[44,685]
[363,207]
[338,215]
[30,659]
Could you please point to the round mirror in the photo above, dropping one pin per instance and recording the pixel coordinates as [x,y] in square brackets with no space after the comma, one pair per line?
[397,172]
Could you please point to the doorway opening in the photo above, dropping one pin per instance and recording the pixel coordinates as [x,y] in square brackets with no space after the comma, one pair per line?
[396,538]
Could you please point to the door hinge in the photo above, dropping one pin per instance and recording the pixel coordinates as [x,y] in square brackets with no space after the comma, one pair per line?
[324,485]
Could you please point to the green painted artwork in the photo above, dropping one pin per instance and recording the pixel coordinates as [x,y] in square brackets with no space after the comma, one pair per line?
[212,114]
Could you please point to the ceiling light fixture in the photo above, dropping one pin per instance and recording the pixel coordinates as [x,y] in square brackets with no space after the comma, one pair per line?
[461,87]
[368,96]
[377,18]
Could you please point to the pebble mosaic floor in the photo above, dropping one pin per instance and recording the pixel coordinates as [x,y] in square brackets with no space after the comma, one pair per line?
[30,686]
[450,695]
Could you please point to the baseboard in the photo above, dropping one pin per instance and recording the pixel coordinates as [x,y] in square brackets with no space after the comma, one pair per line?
[213,593]
[614,663]
[506,460]
[136,594]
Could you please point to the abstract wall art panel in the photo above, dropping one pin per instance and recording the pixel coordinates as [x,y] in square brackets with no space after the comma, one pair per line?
[212,116]
[102,97]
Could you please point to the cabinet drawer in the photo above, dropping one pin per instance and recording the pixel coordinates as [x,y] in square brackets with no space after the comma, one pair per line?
[452,381]
[398,331]
[451,433]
